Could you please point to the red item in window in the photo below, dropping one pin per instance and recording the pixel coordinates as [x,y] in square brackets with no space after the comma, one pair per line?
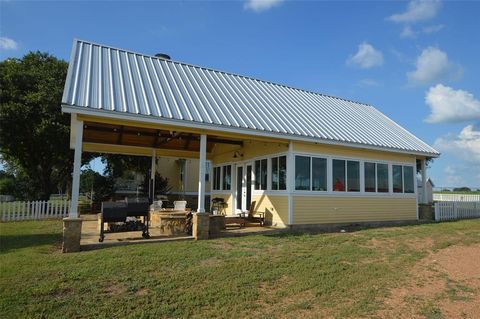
[338,186]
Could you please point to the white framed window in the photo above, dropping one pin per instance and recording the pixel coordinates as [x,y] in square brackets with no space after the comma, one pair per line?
[279,173]
[261,174]
[227,177]
[222,177]
[382,178]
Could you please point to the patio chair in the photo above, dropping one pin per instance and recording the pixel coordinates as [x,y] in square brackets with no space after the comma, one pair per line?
[179,205]
[254,217]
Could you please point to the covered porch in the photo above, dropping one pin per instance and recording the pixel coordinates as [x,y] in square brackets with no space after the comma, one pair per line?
[105,135]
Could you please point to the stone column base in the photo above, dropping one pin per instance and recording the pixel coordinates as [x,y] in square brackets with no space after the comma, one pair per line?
[72,232]
[425,212]
[201,225]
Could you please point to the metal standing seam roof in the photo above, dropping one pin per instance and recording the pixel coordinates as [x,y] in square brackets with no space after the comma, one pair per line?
[103,78]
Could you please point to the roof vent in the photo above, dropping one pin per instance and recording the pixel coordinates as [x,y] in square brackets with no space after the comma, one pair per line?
[163,56]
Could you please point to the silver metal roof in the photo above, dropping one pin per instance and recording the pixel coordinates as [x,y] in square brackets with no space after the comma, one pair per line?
[102,78]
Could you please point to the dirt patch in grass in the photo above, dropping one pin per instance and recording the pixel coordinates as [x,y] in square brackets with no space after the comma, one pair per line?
[445,284]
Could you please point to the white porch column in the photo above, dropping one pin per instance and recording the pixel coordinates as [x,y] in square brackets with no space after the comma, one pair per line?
[424,182]
[153,170]
[290,181]
[201,173]
[77,164]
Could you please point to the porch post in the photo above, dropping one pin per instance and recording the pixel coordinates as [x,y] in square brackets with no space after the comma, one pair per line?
[153,170]
[424,182]
[77,164]
[201,173]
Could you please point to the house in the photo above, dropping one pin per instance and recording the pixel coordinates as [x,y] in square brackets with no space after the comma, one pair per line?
[429,188]
[305,158]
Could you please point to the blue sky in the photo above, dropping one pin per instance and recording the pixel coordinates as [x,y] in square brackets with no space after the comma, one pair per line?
[417,62]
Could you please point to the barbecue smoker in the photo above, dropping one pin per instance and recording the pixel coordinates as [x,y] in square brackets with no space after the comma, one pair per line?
[124,217]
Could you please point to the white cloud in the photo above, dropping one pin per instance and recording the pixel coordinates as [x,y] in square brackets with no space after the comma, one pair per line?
[432,28]
[368,83]
[408,32]
[452,176]
[8,44]
[261,5]
[433,65]
[366,57]
[449,105]
[417,10]
[464,146]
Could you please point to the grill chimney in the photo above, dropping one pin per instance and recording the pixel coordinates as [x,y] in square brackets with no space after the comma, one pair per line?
[163,56]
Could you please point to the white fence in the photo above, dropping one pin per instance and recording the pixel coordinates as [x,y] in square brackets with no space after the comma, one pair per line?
[34,210]
[449,210]
[456,197]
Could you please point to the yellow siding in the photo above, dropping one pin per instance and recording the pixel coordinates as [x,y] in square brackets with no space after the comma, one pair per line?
[227,198]
[351,152]
[167,167]
[336,209]
[192,176]
[274,207]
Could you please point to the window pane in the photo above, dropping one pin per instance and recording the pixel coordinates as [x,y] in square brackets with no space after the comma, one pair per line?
[319,174]
[282,172]
[369,177]
[275,173]
[353,176]
[408,179]
[227,177]
[215,183]
[397,179]
[382,178]
[208,167]
[302,173]
[264,174]
[257,174]
[338,170]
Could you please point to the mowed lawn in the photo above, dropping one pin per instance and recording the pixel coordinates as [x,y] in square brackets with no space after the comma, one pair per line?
[263,276]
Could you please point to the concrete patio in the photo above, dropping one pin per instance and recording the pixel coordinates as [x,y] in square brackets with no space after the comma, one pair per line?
[90,235]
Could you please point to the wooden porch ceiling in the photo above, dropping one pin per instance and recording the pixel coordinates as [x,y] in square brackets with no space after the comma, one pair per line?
[94,132]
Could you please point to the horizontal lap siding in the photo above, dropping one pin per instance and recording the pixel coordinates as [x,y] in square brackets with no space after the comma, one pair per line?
[335,209]
[274,207]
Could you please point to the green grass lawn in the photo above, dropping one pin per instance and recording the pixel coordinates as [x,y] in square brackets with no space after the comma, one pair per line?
[288,275]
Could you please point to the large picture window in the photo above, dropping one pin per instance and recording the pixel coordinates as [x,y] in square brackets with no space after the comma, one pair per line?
[397,178]
[338,171]
[370,177]
[382,178]
[279,173]
[261,174]
[353,176]
[302,173]
[319,174]
[408,177]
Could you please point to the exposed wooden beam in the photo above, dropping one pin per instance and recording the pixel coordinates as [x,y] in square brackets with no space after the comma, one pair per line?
[120,135]
[122,130]
[188,140]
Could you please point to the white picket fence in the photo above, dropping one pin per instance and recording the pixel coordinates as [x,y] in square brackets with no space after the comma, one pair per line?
[456,197]
[33,210]
[449,210]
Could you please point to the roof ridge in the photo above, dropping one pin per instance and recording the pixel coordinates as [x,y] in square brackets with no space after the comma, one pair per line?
[224,72]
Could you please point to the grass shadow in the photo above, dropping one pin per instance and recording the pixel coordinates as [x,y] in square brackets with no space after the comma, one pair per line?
[12,242]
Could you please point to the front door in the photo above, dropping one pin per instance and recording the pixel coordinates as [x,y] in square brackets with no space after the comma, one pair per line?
[243,192]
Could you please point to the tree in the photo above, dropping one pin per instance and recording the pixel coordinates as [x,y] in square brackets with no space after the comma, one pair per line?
[97,187]
[117,165]
[35,135]
[462,189]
